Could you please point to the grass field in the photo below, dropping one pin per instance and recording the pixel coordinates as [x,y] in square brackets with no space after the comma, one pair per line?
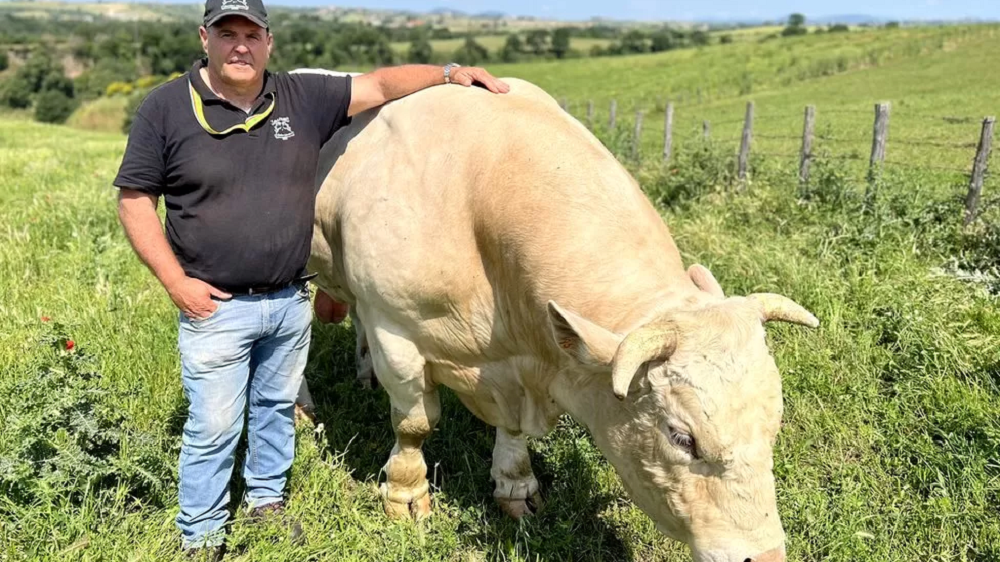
[890,449]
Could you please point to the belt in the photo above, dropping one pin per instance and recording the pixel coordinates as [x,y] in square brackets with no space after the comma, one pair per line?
[265,289]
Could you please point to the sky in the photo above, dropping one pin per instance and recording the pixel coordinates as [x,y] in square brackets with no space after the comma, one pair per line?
[691,9]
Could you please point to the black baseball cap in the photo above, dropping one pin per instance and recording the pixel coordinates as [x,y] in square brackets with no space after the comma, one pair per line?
[252,10]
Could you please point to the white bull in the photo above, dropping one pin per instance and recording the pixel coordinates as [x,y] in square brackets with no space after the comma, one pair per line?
[491,244]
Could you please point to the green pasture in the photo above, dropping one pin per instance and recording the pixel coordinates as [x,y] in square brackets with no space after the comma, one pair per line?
[933,78]
[890,449]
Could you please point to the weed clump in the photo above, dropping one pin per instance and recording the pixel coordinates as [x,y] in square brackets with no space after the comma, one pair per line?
[64,438]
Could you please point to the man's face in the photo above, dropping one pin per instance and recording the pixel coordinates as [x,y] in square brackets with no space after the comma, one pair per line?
[238,50]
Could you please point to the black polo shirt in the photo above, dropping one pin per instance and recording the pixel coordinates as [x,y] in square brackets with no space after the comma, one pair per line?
[239,205]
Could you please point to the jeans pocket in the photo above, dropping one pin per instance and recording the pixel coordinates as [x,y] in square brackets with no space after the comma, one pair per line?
[212,315]
[302,291]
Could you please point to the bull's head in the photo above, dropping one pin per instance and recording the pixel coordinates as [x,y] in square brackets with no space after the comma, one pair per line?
[696,410]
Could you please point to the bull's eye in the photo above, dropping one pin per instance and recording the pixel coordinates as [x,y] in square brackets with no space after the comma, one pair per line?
[683,441]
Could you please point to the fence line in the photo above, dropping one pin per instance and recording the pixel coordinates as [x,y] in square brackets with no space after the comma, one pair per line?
[807,153]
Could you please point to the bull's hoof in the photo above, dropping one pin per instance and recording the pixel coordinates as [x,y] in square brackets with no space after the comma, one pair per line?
[415,504]
[416,510]
[524,507]
[304,415]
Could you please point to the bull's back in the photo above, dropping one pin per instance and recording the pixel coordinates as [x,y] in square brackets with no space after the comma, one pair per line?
[461,212]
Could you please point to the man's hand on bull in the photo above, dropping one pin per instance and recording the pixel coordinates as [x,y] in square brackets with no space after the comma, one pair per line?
[468,75]
[393,82]
[194,297]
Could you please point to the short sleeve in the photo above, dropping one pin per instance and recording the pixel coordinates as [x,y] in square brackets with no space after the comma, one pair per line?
[329,95]
[143,167]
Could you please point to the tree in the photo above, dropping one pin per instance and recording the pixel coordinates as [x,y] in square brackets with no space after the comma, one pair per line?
[53,106]
[726,39]
[838,28]
[796,26]
[15,92]
[634,42]
[471,53]
[560,42]
[421,51]
[699,38]
[538,41]
[511,50]
[663,40]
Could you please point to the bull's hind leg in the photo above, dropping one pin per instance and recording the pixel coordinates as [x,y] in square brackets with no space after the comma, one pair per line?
[517,489]
[362,354]
[416,409]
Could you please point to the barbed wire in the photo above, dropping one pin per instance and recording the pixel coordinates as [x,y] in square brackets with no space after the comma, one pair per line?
[926,167]
[780,154]
[842,139]
[940,144]
[776,137]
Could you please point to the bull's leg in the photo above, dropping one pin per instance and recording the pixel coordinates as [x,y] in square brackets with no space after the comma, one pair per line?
[305,409]
[517,489]
[362,354]
[416,409]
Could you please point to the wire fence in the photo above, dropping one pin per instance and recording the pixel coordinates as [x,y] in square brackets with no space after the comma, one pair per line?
[977,149]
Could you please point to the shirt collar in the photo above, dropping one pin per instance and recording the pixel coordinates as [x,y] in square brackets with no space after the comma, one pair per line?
[208,95]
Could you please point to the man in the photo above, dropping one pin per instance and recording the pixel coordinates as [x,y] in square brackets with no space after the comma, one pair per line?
[233,150]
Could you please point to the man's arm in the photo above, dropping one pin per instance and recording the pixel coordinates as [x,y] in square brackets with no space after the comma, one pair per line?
[386,84]
[137,212]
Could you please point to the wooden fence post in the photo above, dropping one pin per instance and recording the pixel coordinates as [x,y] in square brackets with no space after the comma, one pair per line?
[979,166]
[590,114]
[637,138]
[612,120]
[668,132]
[880,136]
[744,158]
[807,143]
[706,129]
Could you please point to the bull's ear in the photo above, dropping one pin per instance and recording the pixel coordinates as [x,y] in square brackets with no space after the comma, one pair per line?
[581,339]
[705,281]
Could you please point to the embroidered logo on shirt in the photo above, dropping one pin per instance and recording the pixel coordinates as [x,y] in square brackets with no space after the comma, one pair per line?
[282,130]
[235,5]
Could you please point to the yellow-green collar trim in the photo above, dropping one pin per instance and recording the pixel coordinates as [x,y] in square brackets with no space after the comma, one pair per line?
[199,113]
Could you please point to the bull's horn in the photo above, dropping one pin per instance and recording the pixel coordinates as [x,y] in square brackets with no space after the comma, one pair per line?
[778,307]
[648,343]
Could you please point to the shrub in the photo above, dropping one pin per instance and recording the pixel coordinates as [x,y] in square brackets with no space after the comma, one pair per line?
[147,82]
[693,172]
[131,106]
[53,106]
[115,88]
[16,93]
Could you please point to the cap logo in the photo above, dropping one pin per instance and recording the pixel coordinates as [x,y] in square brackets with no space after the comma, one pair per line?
[235,5]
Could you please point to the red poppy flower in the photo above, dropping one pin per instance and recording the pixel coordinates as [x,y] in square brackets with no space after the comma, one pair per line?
[45,319]
[70,344]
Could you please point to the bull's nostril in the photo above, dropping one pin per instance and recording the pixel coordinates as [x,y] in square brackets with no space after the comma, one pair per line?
[748,560]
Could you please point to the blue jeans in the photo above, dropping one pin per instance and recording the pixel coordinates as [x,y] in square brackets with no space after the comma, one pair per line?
[249,355]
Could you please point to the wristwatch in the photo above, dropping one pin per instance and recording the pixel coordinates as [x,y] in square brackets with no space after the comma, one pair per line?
[447,71]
